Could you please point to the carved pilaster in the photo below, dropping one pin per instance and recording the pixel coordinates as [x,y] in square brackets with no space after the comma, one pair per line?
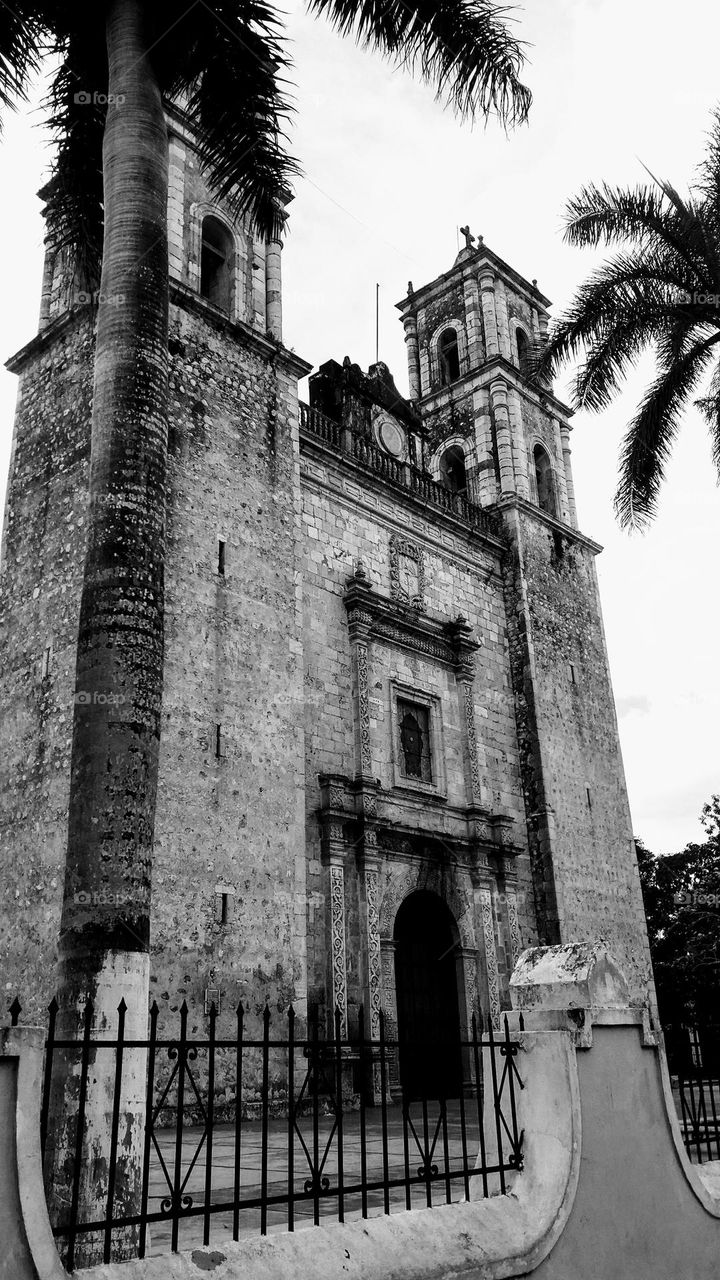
[491,963]
[337,944]
[374,960]
[514,927]
[487,298]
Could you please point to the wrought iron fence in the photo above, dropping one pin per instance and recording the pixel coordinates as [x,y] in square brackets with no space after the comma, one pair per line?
[321,1128]
[694,1063]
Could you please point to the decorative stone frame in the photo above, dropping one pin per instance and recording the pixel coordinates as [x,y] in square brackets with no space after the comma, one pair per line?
[515,324]
[403,547]
[533,444]
[240,309]
[432,704]
[434,362]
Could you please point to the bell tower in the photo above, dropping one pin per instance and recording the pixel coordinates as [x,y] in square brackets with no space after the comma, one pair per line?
[493,427]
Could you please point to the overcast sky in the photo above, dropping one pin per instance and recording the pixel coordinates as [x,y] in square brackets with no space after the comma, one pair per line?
[389,177]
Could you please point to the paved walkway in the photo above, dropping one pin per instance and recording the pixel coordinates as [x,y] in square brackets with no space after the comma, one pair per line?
[223,1166]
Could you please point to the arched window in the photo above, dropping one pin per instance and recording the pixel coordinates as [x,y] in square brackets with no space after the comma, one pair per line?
[523,350]
[448,356]
[544,480]
[452,469]
[217,254]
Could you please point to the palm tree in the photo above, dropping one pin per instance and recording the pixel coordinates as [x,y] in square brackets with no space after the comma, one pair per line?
[660,290]
[106,206]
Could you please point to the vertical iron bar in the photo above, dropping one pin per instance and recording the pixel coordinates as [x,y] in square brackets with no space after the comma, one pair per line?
[265,1120]
[383,1112]
[115,1124]
[463,1139]
[210,1122]
[426,1146]
[711,1086]
[405,1107]
[315,1086]
[496,1104]
[47,1078]
[365,1078]
[446,1150]
[479,1095]
[82,1102]
[339,1115]
[291,1120]
[238,1119]
[510,1058]
[177,1175]
[147,1138]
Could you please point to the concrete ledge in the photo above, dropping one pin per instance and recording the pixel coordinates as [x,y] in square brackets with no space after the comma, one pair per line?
[484,1240]
[28,1246]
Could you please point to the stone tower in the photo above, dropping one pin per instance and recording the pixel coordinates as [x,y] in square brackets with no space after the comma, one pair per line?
[470,336]
[229,827]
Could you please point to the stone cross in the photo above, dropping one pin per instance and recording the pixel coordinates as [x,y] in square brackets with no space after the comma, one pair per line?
[465,231]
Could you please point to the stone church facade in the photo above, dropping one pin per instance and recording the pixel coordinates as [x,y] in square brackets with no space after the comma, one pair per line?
[389,757]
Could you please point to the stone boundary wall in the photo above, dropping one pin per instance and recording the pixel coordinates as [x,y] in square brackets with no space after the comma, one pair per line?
[606,1190]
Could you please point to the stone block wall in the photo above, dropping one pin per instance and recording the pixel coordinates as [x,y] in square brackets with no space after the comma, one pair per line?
[344,525]
[228,823]
[579,824]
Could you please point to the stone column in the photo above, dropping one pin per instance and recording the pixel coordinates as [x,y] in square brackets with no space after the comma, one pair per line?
[487,298]
[565,430]
[473,326]
[273,288]
[413,356]
[519,443]
[47,284]
[491,964]
[503,324]
[498,399]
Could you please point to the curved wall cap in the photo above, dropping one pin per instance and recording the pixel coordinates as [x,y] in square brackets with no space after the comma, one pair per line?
[576,975]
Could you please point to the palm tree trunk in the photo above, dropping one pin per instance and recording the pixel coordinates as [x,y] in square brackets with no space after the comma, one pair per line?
[105,928]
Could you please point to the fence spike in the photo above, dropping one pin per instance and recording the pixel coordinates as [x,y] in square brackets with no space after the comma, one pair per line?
[53,1006]
[266,1015]
[15,1011]
[154,1011]
[522,1022]
[122,1007]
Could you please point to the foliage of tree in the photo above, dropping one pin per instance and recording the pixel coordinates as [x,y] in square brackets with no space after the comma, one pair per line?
[681,893]
[660,290]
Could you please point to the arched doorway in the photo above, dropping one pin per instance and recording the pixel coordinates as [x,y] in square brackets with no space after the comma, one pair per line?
[426,985]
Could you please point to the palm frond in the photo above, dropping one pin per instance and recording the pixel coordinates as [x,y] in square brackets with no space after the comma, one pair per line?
[651,434]
[644,216]
[74,193]
[227,62]
[464,48]
[21,42]
[641,290]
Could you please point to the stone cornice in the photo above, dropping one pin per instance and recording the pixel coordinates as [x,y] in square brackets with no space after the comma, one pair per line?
[481,377]
[470,266]
[378,617]
[180,295]
[510,502]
